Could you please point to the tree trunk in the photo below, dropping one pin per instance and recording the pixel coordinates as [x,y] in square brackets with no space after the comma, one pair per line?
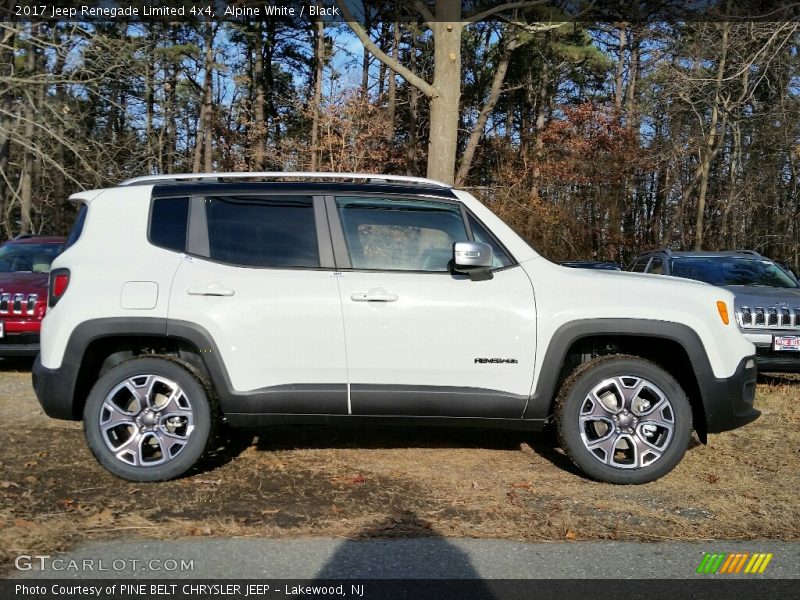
[618,76]
[391,102]
[259,126]
[365,55]
[149,84]
[319,60]
[413,110]
[170,93]
[629,209]
[209,108]
[541,113]
[59,184]
[28,115]
[203,141]
[616,195]
[444,106]
[708,150]
[724,238]
[198,140]
[478,130]
[382,40]
[6,104]
[269,88]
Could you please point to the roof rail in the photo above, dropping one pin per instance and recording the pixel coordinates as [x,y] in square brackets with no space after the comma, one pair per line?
[282,175]
[750,252]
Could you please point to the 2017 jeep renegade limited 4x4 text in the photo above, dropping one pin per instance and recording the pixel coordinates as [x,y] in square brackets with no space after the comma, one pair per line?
[187,300]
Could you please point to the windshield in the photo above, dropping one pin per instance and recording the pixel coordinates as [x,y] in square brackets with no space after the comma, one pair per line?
[732,271]
[34,258]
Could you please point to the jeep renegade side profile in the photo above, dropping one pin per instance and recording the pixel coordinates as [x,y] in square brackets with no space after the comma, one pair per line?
[263,298]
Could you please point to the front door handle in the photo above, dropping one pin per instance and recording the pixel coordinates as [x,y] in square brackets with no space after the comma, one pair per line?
[212,289]
[374,295]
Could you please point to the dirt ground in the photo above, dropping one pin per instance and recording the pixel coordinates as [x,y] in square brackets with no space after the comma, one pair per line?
[355,482]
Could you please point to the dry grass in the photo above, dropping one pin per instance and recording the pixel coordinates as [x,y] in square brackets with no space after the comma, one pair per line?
[394,482]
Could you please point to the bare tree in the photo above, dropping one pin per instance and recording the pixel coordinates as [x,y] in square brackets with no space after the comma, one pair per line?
[444,92]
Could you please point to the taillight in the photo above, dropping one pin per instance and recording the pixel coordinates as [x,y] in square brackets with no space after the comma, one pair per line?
[59,281]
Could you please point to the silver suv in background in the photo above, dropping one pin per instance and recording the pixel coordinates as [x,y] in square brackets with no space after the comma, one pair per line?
[767,297]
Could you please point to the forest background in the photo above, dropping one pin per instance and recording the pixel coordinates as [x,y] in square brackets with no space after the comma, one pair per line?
[592,138]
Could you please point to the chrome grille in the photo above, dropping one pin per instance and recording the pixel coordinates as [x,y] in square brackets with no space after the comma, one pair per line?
[764,317]
[17,304]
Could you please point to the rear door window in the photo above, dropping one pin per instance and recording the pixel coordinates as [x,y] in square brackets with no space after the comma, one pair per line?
[262,231]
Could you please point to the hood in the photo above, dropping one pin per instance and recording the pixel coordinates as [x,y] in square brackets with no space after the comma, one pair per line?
[753,295]
[24,282]
[626,277]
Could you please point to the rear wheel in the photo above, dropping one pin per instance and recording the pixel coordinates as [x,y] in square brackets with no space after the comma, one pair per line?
[622,419]
[149,419]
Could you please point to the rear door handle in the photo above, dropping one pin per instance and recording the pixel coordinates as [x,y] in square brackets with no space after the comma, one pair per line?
[212,289]
[374,295]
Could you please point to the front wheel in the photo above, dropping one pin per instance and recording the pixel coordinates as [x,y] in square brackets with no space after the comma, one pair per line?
[149,419]
[622,419]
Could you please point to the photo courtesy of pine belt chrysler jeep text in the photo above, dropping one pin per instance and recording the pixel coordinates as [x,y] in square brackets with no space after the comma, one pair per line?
[182,302]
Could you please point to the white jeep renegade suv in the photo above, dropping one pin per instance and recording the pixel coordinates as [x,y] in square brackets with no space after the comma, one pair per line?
[184,301]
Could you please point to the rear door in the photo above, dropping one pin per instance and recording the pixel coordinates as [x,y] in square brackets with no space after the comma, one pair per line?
[259,280]
[421,340]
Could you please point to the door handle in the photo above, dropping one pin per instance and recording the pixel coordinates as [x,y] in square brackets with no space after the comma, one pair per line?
[212,289]
[374,295]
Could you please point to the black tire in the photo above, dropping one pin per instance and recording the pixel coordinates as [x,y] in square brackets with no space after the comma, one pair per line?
[644,445]
[184,427]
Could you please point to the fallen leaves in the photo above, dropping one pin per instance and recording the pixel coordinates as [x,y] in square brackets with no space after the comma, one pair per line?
[100,519]
[357,479]
[24,523]
[514,499]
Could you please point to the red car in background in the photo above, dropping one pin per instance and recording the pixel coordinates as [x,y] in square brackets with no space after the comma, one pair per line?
[24,275]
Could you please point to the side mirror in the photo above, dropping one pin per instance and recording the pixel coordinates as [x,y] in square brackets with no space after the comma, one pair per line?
[474,259]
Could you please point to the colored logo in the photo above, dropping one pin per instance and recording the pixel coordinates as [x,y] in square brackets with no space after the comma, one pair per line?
[722,563]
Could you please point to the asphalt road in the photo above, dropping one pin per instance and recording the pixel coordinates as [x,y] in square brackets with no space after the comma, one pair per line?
[426,558]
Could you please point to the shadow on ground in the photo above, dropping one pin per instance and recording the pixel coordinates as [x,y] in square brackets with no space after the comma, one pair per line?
[16,364]
[792,379]
[387,559]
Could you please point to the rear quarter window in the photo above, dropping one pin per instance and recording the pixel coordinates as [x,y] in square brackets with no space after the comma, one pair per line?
[168,222]
[77,227]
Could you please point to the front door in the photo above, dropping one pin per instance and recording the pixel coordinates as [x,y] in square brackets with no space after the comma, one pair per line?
[421,340]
